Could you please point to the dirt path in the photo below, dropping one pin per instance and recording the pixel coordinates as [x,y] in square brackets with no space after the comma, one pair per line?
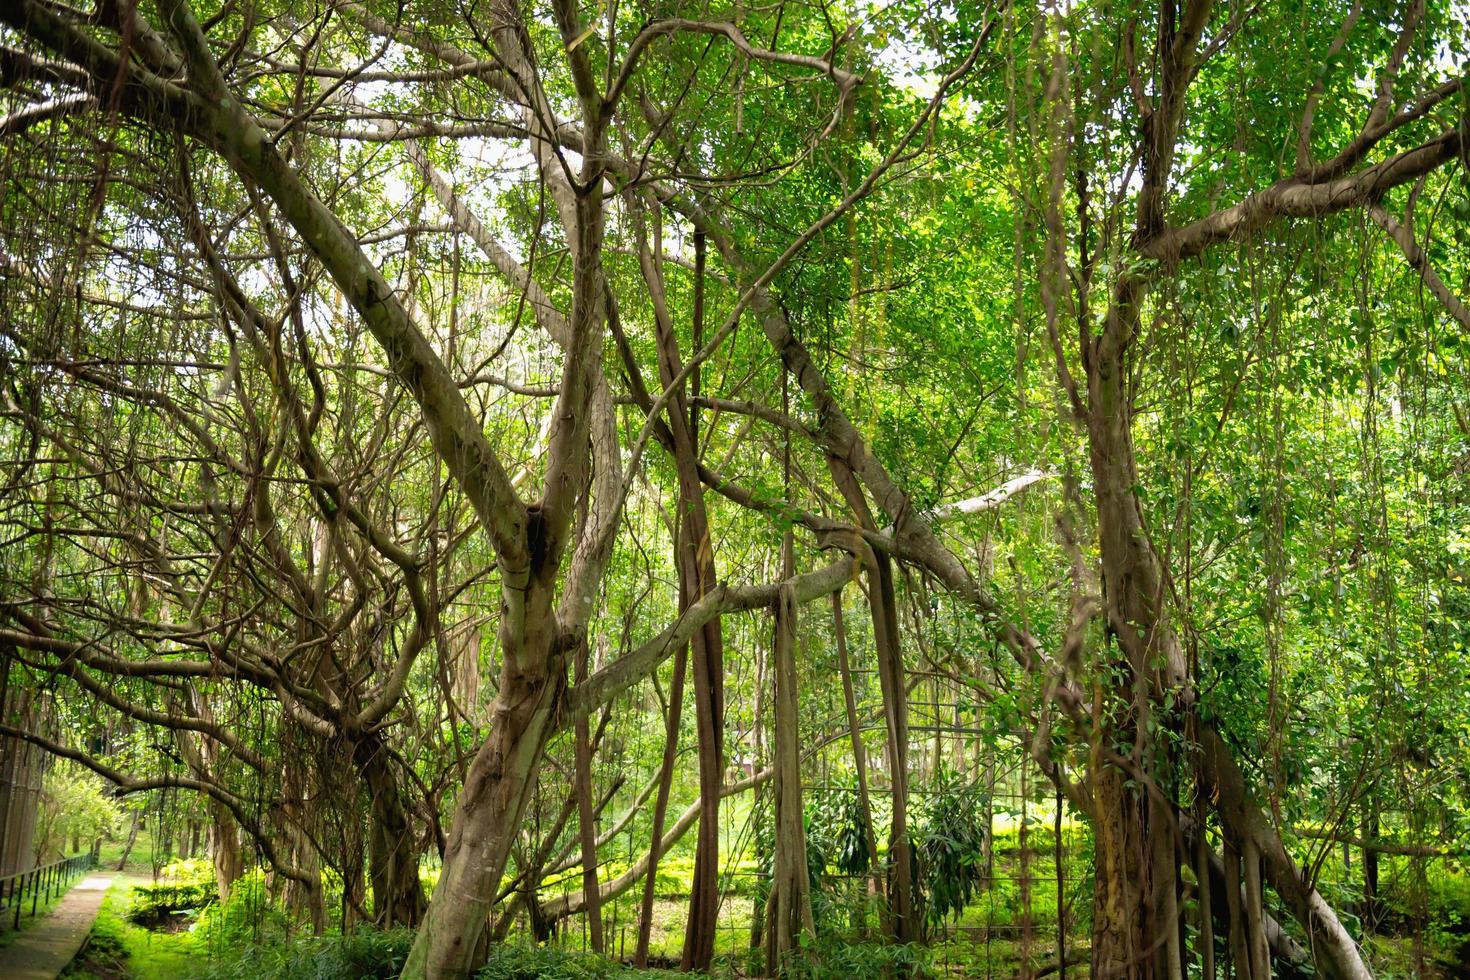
[43,950]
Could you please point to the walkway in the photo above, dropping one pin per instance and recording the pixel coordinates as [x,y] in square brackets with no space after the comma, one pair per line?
[43,950]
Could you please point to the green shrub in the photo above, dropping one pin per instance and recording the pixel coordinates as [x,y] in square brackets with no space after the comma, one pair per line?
[183,886]
[949,851]
[364,954]
[1449,900]
[247,917]
[195,871]
[153,903]
[544,963]
[833,960]
[117,948]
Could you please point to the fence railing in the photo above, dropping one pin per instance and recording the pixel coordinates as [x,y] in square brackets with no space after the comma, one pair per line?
[46,881]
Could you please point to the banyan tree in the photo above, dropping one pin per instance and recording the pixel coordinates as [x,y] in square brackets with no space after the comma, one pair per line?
[491,457]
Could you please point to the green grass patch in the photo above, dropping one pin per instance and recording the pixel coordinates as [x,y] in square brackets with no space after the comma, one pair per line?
[363,954]
[514,962]
[118,948]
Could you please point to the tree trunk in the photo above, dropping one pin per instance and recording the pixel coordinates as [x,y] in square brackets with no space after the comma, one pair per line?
[1205,876]
[297,821]
[224,847]
[709,716]
[1333,950]
[855,734]
[1370,866]
[132,839]
[883,604]
[492,804]
[586,812]
[697,577]
[398,894]
[1130,937]
[789,907]
[661,806]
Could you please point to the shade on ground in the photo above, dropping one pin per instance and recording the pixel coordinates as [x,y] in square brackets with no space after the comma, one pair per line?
[43,951]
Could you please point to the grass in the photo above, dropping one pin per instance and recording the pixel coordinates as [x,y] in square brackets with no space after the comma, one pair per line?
[118,948]
[140,860]
[983,942]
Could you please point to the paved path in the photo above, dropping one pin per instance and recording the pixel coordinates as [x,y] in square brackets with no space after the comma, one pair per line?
[43,950]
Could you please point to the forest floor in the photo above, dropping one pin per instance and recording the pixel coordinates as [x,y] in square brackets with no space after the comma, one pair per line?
[119,950]
[43,951]
[1012,918]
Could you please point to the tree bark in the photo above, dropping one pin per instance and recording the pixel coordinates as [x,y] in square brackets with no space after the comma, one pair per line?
[883,604]
[789,906]
[697,577]
[224,848]
[586,811]
[492,805]
[136,822]
[22,776]
[1333,949]
[1370,864]
[661,806]
[1129,937]
[398,894]
[855,734]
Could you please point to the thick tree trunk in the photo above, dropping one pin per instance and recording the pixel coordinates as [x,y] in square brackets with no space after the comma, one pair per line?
[492,804]
[224,848]
[1123,940]
[398,894]
[1135,911]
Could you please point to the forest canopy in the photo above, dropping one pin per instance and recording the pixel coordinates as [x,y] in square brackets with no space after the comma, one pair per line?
[801,489]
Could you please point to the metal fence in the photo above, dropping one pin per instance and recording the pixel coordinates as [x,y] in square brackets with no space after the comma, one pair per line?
[1024,918]
[40,884]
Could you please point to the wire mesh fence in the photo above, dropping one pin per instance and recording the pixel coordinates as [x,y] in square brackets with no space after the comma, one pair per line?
[1021,919]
